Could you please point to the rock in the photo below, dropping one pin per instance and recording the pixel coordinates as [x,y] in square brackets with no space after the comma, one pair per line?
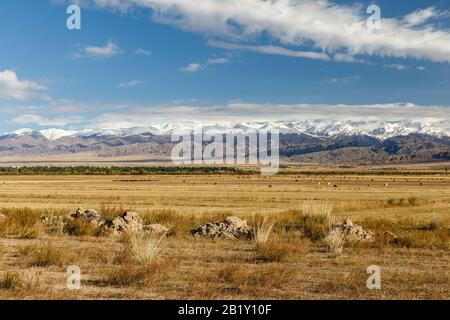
[88,215]
[231,228]
[156,228]
[3,217]
[351,231]
[127,222]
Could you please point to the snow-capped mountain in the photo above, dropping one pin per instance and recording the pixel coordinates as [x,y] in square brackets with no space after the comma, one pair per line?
[318,141]
[316,128]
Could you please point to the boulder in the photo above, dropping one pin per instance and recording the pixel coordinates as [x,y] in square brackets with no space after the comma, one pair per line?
[88,215]
[350,231]
[231,228]
[126,222]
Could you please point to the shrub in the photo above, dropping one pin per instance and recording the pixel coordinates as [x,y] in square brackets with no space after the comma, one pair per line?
[263,231]
[22,223]
[335,242]
[78,227]
[42,255]
[15,281]
[139,275]
[272,252]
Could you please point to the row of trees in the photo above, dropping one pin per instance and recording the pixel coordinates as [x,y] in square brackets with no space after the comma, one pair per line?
[87,170]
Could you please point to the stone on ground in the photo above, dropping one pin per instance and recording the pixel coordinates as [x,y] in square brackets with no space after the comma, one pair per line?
[88,215]
[231,228]
[350,231]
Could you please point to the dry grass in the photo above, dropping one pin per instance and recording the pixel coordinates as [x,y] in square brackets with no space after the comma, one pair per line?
[289,261]
[43,255]
[20,282]
[262,231]
[335,242]
[21,223]
[143,248]
[80,228]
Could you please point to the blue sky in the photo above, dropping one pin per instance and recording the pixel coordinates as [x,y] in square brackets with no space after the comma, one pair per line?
[144,58]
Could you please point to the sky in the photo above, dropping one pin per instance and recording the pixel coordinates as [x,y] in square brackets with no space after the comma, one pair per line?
[135,62]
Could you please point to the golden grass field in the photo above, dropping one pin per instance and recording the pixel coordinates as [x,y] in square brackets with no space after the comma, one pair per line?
[291,265]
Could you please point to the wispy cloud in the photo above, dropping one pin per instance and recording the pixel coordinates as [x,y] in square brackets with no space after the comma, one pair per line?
[195,66]
[11,88]
[143,52]
[343,80]
[111,49]
[276,50]
[331,26]
[26,119]
[396,66]
[129,84]
[422,16]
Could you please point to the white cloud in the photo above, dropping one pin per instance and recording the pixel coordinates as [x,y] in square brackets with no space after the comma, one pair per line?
[276,50]
[11,88]
[421,68]
[325,25]
[41,121]
[194,67]
[397,66]
[129,84]
[421,16]
[111,49]
[143,52]
[248,112]
[344,80]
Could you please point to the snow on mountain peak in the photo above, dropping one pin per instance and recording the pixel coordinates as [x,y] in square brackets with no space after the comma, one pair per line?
[313,127]
[55,134]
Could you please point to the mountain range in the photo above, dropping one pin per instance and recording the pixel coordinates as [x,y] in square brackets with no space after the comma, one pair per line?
[317,141]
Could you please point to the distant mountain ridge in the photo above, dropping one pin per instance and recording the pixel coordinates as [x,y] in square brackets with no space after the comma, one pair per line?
[340,142]
[319,128]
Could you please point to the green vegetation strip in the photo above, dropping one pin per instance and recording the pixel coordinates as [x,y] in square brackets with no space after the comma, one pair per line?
[86,170]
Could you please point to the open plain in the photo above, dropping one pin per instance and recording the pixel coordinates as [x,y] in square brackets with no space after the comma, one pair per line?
[411,207]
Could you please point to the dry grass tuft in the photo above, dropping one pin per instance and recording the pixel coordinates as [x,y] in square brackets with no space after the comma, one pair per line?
[263,231]
[27,281]
[335,242]
[80,228]
[144,247]
[135,275]
[43,255]
[273,251]
[22,223]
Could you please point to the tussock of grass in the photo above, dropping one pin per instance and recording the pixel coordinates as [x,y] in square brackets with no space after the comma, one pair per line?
[273,251]
[43,255]
[80,228]
[24,281]
[263,231]
[135,275]
[335,242]
[22,223]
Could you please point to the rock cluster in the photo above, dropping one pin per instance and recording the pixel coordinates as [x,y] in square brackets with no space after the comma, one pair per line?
[231,228]
[87,215]
[124,223]
[350,231]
